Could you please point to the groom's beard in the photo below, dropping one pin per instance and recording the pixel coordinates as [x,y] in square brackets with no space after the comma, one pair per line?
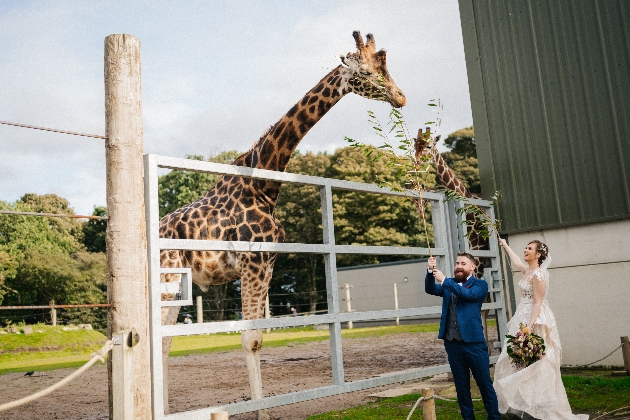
[461,275]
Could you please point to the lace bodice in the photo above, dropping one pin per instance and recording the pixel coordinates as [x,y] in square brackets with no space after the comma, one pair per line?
[526,284]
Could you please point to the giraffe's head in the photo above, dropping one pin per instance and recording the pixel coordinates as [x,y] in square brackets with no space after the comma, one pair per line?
[367,75]
[424,144]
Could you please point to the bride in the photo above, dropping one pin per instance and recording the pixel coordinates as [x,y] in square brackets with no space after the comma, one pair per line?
[536,390]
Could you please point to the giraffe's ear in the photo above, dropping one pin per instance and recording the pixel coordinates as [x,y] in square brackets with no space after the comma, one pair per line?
[382,56]
[342,60]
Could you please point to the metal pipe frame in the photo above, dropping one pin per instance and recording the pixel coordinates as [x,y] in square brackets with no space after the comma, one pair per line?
[444,250]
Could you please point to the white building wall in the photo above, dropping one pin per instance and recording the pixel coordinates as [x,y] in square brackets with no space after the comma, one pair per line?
[589,287]
[373,287]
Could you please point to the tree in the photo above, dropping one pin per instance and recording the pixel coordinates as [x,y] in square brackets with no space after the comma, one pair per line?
[370,219]
[462,158]
[94,231]
[298,279]
[43,258]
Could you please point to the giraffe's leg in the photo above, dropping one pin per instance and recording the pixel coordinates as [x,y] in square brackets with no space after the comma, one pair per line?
[256,270]
[169,317]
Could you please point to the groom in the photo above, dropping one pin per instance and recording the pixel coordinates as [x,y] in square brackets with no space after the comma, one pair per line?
[462,332]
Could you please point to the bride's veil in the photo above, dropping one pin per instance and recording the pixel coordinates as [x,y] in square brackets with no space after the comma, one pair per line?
[544,267]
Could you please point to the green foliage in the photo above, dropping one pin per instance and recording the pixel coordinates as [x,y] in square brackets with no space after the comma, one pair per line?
[462,158]
[44,259]
[300,213]
[462,143]
[94,231]
[360,219]
[413,172]
[371,219]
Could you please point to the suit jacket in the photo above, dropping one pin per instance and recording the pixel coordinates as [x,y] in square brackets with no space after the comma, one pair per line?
[470,297]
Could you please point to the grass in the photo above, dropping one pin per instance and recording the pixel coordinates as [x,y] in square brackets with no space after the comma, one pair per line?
[398,408]
[47,348]
[595,395]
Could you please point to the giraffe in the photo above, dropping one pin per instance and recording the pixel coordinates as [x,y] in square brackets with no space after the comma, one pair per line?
[238,209]
[424,147]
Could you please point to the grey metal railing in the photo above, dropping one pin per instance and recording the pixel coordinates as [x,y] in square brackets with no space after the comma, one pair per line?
[446,245]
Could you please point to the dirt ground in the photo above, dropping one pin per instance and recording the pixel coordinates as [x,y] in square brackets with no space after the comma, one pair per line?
[200,381]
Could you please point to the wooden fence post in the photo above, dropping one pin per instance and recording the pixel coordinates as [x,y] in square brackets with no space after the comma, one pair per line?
[348,304]
[122,375]
[127,284]
[199,310]
[428,406]
[53,313]
[625,350]
[223,415]
[396,304]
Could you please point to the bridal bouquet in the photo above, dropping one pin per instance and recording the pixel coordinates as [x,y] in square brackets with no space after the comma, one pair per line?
[525,348]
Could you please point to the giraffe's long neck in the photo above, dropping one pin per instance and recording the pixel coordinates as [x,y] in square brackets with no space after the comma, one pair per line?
[447,176]
[276,146]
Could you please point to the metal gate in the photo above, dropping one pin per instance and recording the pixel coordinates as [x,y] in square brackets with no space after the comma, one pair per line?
[449,239]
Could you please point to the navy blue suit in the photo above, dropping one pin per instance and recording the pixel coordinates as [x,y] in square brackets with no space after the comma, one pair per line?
[470,354]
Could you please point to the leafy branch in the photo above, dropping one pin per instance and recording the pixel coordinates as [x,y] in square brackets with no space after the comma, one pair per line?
[413,169]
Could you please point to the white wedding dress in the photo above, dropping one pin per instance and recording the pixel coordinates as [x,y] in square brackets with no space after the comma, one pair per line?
[537,389]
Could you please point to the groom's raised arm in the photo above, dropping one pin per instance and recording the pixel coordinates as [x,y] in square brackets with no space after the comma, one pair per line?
[431,287]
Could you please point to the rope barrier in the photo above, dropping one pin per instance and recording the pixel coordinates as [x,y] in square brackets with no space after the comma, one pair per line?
[592,363]
[53,130]
[95,356]
[72,216]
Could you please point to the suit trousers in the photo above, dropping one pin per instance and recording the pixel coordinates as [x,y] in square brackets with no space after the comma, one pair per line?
[465,358]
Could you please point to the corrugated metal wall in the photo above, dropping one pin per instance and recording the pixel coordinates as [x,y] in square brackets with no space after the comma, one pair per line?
[550,92]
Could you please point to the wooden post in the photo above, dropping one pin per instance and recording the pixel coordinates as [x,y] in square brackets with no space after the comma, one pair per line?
[223,415]
[122,375]
[625,349]
[348,304]
[127,286]
[53,313]
[428,406]
[267,312]
[199,310]
[396,304]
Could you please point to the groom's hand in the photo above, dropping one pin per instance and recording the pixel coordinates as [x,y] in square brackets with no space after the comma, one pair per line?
[439,276]
[432,263]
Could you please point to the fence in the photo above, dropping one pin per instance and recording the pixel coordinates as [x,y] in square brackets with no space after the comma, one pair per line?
[447,233]
[53,308]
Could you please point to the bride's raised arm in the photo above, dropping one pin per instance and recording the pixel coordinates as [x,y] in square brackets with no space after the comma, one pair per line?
[516,261]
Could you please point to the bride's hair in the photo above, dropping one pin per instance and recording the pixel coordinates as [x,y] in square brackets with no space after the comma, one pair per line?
[542,249]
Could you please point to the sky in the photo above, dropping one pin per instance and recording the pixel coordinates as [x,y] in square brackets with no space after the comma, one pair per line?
[215,76]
